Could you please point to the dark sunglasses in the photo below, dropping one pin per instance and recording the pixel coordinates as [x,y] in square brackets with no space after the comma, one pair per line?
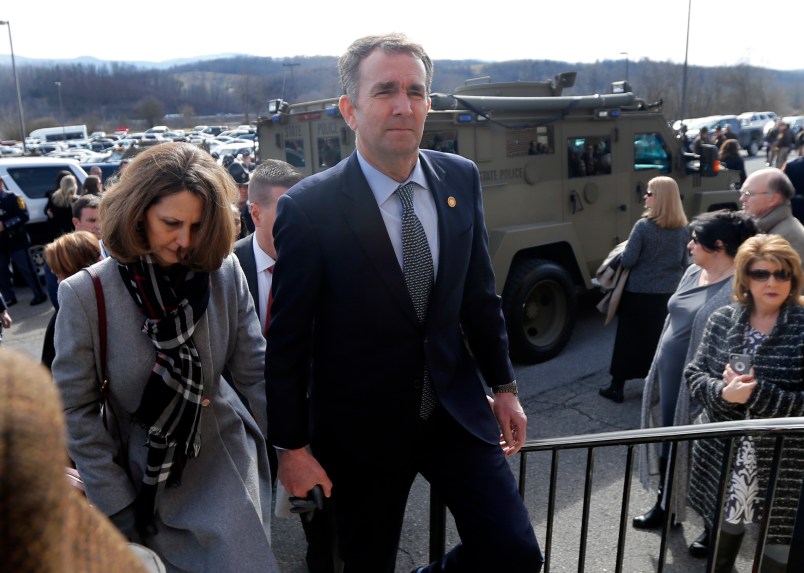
[648,193]
[763,275]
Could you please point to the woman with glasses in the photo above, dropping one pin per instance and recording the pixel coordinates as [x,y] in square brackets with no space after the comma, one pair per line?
[705,287]
[766,326]
[656,254]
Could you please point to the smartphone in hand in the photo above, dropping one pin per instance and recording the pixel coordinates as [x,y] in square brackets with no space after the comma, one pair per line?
[740,363]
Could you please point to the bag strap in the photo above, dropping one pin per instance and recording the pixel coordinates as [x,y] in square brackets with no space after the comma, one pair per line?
[104,380]
[96,282]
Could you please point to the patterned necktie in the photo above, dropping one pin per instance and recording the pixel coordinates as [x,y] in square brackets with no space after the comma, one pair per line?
[417,267]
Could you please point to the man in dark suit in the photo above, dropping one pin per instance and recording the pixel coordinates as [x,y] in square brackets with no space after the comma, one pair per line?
[257,256]
[256,252]
[383,279]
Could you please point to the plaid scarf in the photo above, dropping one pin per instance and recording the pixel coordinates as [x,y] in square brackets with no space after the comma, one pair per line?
[173,301]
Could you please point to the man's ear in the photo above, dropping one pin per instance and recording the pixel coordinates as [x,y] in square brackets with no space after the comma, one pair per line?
[254,209]
[347,111]
[75,222]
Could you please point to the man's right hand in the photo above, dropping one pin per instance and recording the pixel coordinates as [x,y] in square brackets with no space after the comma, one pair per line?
[300,472]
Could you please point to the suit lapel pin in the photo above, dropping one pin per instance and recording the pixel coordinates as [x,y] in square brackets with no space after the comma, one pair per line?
[451,201]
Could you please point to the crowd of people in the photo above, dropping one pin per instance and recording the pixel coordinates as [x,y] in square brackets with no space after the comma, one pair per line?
[679,323]
[226,331]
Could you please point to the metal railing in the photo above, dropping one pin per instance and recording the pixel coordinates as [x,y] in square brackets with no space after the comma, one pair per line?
[732,431]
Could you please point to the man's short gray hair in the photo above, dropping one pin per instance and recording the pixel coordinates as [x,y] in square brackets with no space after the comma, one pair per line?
[349,62]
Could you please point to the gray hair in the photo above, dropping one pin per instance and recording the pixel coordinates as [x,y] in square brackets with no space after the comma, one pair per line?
[349,62]
[780,183]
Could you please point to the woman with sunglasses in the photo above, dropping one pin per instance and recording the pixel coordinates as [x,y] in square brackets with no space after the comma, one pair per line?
[705,287]
[656,254]
[766,322]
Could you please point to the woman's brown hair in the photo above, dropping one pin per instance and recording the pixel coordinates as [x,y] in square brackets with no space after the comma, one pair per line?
[160,171]
[774,249]
[72,252]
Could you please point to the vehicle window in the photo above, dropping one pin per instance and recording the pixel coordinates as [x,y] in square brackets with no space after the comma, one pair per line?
[530,141]
[294,152]
[36,181]
[588,156]
[329,151]
[650,152]
[445,140]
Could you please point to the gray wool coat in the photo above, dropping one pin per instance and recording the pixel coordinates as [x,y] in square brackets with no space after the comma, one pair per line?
[779,393]
[646,456]
[218,518]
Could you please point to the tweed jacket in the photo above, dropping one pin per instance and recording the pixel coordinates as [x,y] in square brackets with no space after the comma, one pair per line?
[781,222]
[218,518]
[650,397]
[779,393]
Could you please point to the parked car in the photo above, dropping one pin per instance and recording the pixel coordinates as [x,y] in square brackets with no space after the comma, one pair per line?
[796,123]
[758,119]
[31,178]
[10,151]
[214,130]
[108,168]
[750,138]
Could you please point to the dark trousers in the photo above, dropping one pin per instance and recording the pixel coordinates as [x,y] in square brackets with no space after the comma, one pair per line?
[370,491]
[22,260]
[52,286]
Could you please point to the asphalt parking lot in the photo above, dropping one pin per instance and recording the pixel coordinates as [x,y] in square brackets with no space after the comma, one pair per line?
[560,398]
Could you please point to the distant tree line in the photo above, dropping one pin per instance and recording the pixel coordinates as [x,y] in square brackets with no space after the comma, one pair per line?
[103,96]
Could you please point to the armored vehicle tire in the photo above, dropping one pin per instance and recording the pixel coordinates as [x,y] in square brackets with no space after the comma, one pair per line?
[540,305]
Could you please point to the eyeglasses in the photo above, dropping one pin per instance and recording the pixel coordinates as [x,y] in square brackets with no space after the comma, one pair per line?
[749,193]
[696,239]
[648,193]
[763,275]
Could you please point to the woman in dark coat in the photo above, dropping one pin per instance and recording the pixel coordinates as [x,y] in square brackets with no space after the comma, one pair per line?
[766,322]
[656,254]
[59,208]
[66,256]
[730,157]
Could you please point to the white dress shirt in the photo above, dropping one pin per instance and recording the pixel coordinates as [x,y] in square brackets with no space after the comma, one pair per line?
[263,262]
[383,188]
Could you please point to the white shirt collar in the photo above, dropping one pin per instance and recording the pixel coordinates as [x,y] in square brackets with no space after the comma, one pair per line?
[262,259]
[383,186]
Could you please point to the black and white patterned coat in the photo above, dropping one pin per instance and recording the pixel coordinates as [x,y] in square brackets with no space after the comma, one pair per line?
[778,366]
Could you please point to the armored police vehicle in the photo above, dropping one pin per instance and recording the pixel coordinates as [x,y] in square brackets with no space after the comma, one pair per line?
[564,179]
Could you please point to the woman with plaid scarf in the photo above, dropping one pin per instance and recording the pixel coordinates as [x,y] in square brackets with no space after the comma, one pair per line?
[178,457]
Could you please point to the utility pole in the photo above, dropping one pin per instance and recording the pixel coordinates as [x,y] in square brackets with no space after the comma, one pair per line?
[686,55]
[17,83]
[626,64]
[61,112]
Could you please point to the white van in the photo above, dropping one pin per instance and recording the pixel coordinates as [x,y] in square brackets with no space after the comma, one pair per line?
[63,133]
[32,178]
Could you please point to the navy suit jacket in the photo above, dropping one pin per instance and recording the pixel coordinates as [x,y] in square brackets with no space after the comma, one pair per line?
[341,307]
[244,251]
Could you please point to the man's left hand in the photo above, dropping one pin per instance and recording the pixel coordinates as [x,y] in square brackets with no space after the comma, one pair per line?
[512,420]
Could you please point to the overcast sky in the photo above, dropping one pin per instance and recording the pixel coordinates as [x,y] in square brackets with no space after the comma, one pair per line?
[725,32]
